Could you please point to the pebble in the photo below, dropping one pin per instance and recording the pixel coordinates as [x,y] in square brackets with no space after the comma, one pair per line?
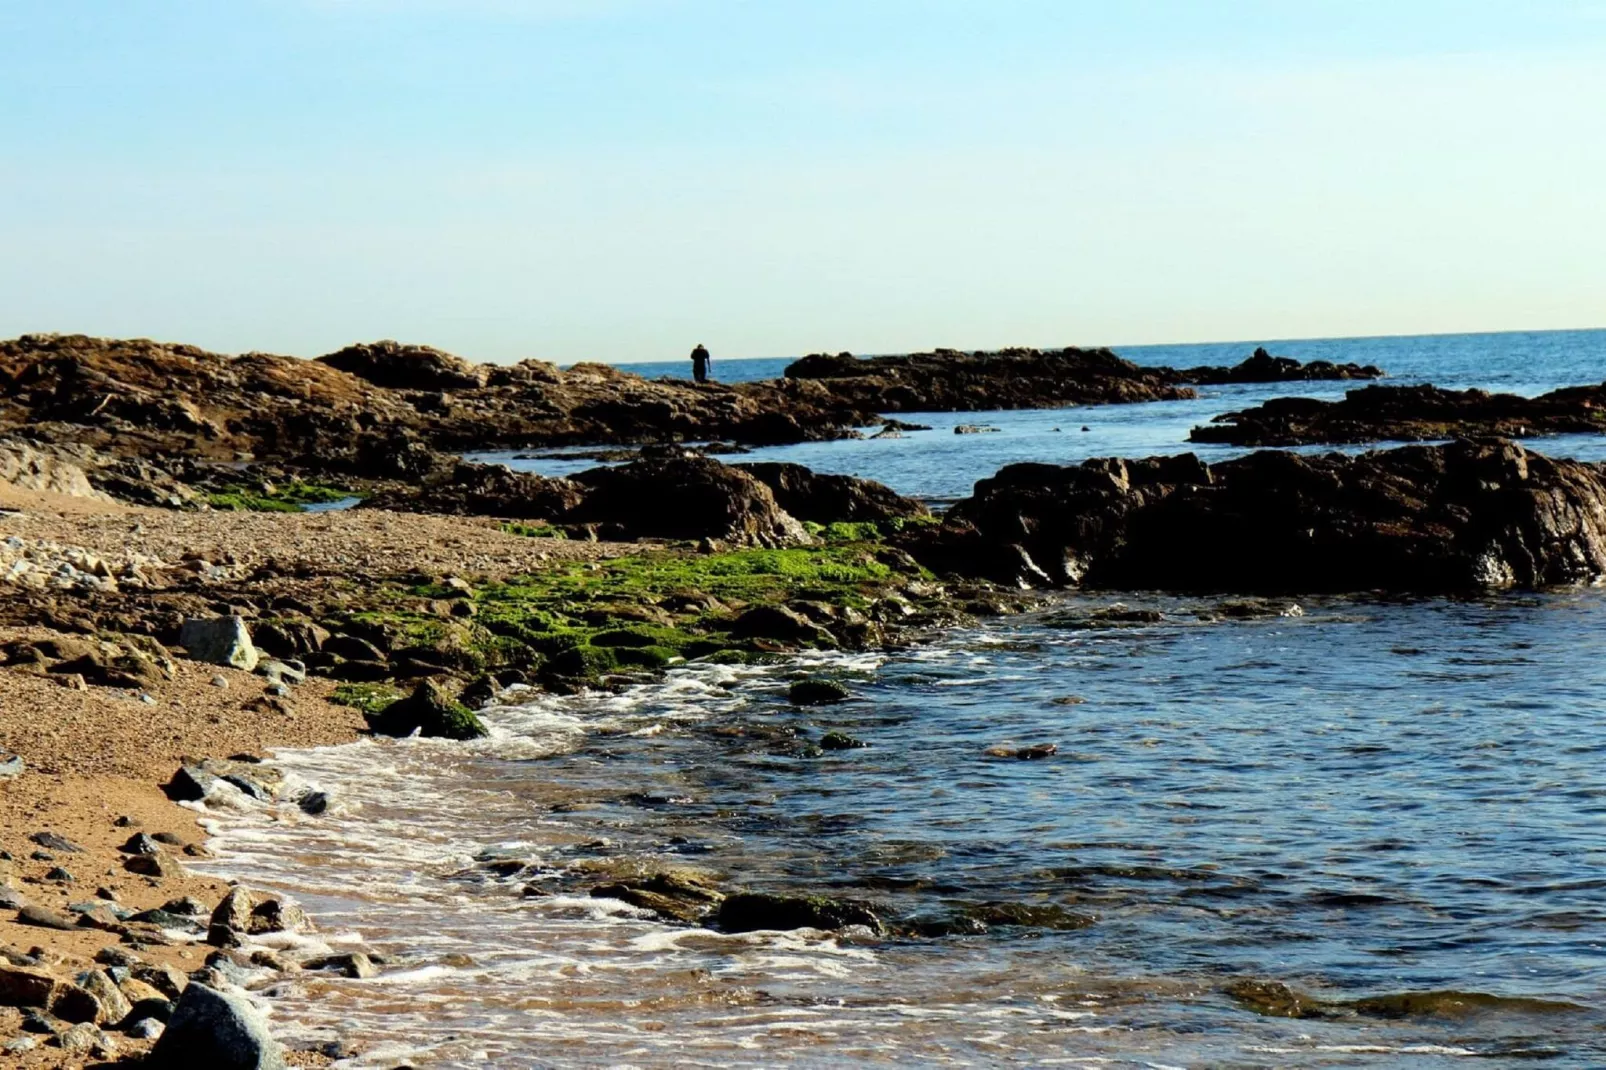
[21,1045]
[220,681]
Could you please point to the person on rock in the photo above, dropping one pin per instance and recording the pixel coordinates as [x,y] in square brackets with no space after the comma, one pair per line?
[700,360]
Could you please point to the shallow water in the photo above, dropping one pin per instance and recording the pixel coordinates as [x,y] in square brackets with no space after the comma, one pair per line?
[1374,798]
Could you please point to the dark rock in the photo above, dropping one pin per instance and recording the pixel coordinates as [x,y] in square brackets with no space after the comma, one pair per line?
[141,844]
[1262,367]
[52,842]
[1465,516]
[352,648]
[314,802]
[817,693]
[781,624]
[1029,916]
[217,1031]
[828,499]
[1410,414]
[159,866]
[751,912]
[289,638]
[429,711]
[840,741]
[685,497]
[1025,754]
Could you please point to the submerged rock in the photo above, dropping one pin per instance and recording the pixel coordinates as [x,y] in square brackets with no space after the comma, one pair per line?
[753,912]
[817,692]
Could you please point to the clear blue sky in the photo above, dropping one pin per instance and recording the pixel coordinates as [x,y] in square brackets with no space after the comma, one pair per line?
[620,179]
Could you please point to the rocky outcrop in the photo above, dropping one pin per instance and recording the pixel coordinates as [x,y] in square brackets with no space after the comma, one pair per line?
[684,497]
[27,468]
[403,367]
[827,499]
[949,380]
[1409,414]
[1470,515]
[387,410]
[1262,367]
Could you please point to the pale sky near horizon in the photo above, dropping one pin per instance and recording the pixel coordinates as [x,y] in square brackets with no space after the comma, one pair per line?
[621,179]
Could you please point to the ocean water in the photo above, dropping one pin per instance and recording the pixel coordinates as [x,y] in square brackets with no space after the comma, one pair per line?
[941,466]
[1372,798]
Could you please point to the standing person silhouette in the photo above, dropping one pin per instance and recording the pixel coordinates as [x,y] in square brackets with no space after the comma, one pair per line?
[700,360]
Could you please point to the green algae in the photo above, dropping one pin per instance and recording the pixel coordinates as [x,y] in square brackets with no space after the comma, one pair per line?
[286,498]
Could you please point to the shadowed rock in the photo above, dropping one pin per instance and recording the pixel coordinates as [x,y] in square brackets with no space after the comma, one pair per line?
[1466,516]
[1407,414]
[217,1031]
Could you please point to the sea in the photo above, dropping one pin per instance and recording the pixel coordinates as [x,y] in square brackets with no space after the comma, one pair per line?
[1394,806]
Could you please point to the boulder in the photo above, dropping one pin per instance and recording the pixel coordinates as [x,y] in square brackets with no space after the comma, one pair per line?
[231,919]
[219,641]
[1471,515]
[214,1030]
[685,497]
[828,499]
[780,624]
[429,711]
[753,911]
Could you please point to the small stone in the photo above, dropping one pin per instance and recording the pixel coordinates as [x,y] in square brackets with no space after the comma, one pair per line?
[220,681]
[108,894]
[44,918]
[188,907]
[141,844]
[158,865]
[81,1037]
[840,741]
[11,765]
[146,1029]
[21,1045]
[314,802]
[52,842]
[72,681]
[147,698]
[126,822]
[60,876]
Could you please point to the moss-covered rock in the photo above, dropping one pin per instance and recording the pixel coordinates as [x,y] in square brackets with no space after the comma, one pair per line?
[429,711]
[817,692]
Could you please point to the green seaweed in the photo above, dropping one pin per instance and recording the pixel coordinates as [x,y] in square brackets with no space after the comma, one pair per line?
[286,498]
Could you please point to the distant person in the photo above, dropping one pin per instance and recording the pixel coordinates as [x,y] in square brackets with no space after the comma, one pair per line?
[700,360]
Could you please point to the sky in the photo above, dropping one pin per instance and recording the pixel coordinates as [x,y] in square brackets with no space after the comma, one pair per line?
[621,179]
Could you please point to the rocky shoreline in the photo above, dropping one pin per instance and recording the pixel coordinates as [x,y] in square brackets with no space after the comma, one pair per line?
[156,561]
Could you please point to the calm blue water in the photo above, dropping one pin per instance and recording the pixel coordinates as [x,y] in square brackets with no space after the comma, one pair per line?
[1375,797]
